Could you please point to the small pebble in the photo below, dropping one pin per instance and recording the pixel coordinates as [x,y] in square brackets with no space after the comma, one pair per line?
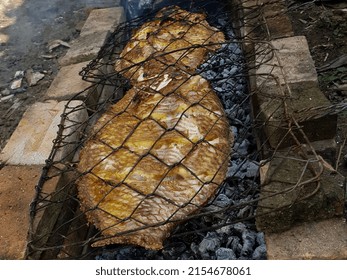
[8,97]
[16,84]
[19,74]
[5,92]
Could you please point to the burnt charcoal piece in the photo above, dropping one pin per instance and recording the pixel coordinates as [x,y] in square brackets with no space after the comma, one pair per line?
[225,254]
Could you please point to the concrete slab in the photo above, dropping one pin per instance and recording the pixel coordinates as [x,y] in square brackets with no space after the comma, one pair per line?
[83,49]
[296,191]
[32,141]
[277,104]
[278,24]
[68,83]
[74,122]
[327,149]
[93,35]
[265,20]
[103,20]
[324,240]
[17,189]
[283,61]
[286,85]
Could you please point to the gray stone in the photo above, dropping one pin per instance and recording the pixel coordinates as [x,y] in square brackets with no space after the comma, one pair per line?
[33,77]
[16,84]
[56,44]
[286,86]
[7,97]
[325,148]
[19,74]
[5,92]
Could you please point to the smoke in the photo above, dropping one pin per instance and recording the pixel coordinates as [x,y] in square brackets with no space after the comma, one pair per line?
[137,8]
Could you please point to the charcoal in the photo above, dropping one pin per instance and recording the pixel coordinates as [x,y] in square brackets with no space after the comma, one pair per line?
[195,248]
[230,112]
[234,243]
[186,256]
[218,89]
[174,251]
[226,230]
[252,169]
[244,212]
[225,254]
[229,192]
[240,228]
[248,238]
[136,8]
[260,238]
[242,148]
[119,253]
[259,253]
[235,130]
[222,200]
[210,243]
[106,256]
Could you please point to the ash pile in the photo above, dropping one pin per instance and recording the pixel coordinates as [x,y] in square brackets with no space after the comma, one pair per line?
[219,226]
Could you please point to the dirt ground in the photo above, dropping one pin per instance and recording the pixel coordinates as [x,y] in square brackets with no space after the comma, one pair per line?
[27,30]
[29,26]
[324,23]
[325,26]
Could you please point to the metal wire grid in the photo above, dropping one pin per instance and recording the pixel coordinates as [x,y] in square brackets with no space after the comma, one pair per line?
[58,225]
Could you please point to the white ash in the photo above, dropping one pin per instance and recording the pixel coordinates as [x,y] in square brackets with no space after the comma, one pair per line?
[218,235]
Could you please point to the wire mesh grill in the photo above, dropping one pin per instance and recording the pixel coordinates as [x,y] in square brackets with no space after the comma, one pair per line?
[215,185]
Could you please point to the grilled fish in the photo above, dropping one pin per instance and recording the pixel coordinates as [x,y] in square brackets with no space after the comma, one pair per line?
[160,153]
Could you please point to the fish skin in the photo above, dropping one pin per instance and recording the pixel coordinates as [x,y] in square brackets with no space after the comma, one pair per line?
[160,153]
